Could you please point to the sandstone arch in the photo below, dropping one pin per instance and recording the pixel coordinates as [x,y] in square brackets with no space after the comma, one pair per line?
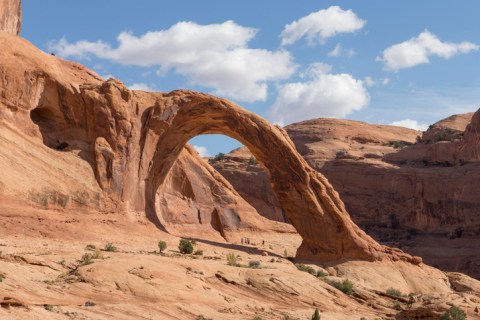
[312,205]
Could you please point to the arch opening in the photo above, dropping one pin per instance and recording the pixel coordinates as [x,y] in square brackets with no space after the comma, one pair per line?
[194,197]
[310,202]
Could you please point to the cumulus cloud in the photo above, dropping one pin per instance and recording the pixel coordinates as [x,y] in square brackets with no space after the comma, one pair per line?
[202,151]
[321,25]
[411,124]
[322,95]
[215,56]
[418,50]
[141,86]
[339,51]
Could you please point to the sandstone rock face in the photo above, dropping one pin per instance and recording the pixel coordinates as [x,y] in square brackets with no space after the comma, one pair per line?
[251,182]
[131,139]
[11,16]
[386,191]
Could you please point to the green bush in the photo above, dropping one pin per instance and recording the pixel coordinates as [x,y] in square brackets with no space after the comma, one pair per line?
[90,247]
[162,245]
[87,258]
[316,315]
[394,292]
[254,264]
[305,268]
[198,253]
[232,259]
[219,156]
[185,246]
[321,274]
[454,313]
[252,161]
[346,286]
[110,247]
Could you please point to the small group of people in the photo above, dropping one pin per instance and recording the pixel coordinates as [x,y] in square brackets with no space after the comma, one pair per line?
[245,240]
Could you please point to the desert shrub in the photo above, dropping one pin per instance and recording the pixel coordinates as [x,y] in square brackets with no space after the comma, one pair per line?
[321,274]
[254,264]
[316,315]
[397,305]
[110,247]
[90,303]
[454,313]
[257,318]
[232,259]
[162,245]
[48,307]
[90,247]
[346,286]
[252,161]
[185,246]
[87,258]
[398,144]
[200,317]
[394,292]
[305,268]
[198,253]
[219,156]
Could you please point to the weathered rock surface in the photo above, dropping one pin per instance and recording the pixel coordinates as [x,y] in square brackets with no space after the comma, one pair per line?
[11,16]
[44,122]
[388,193]
[131,139]
[43,276]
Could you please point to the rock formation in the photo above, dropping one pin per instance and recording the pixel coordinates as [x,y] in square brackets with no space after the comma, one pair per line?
[132,139]
[11,16]
[389,185]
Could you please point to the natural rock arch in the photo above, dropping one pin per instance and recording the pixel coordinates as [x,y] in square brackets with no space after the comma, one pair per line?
[310,202]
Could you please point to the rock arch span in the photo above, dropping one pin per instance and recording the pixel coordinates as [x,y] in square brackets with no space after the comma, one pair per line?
[310,202]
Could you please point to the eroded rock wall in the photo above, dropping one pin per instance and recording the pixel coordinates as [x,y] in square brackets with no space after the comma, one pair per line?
[11,16]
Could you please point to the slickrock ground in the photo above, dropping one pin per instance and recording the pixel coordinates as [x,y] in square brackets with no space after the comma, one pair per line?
[43,276]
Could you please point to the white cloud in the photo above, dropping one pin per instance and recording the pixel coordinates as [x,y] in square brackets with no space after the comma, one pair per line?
[107,76]
[323,95]
[316,69]
[338,51]
[417,51]
[370,82]
[202,151]
[215,56]
[142,87]
[411,124]
[321,25]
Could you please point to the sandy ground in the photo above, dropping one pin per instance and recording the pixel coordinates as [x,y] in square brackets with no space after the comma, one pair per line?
[42,271]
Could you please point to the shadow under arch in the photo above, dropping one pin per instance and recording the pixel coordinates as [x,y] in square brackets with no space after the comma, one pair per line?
[310,202]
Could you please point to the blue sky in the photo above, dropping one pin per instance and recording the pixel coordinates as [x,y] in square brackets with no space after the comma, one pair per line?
[403,62]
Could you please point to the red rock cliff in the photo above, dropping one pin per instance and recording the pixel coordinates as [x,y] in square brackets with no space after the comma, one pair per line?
[11,16]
